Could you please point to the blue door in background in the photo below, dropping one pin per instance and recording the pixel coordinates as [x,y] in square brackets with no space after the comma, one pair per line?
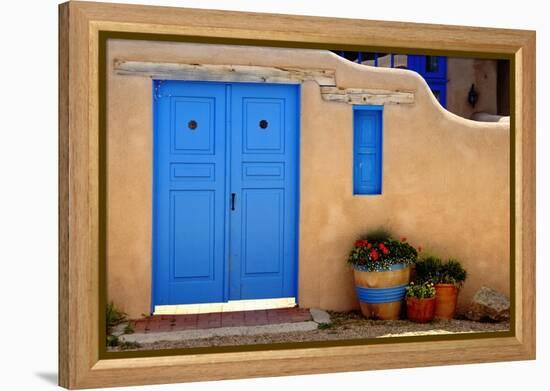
[225,191]
[434,70]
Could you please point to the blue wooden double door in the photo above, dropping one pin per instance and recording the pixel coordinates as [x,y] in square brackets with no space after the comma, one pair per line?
[225,191]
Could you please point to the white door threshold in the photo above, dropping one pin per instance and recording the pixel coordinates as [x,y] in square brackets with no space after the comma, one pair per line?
[230,306]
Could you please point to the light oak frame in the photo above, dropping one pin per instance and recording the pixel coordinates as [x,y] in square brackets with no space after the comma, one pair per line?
[83,364]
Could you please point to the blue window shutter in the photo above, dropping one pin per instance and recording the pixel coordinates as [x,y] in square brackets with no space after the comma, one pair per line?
[367,149]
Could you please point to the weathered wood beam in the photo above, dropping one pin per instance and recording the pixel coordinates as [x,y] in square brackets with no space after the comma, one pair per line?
[366,96]
[229,73]
[259,74]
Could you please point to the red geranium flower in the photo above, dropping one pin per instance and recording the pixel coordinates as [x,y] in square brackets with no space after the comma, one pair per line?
[374,254]
[369,245]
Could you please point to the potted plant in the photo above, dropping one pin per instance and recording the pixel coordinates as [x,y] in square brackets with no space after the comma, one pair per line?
[381,268]
[420,302]
[449,280]
[447,277]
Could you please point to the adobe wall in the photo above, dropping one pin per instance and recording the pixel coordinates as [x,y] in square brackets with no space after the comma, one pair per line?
[461,74]
[445,179]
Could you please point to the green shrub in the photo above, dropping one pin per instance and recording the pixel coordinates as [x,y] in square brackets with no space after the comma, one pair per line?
[425,290]
[378,235]
[427,269]
[433,269]
[112,340]
[125,345]
[324,326]
[452,272]
[113,317]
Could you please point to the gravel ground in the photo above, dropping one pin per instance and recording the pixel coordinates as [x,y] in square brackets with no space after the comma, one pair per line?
[348,325]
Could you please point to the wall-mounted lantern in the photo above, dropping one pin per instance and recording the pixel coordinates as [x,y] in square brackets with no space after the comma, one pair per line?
[472,96]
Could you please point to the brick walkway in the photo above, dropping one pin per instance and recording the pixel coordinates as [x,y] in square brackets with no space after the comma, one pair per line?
[160,323]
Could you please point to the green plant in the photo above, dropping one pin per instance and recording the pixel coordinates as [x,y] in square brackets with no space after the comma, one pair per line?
[113,317]
[125,345]
[452,272]
[378,235]
[378,251]
[433,269]
[424,290]
[112,340]
[129,329]
[324,326]
[427,269]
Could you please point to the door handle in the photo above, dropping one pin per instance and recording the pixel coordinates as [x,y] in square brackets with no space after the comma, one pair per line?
[233,195]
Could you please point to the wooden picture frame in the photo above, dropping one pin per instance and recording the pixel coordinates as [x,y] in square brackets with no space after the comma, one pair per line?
[83,30]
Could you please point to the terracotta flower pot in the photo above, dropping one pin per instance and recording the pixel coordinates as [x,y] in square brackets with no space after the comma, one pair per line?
[381,293]
[420,310]
[445,300]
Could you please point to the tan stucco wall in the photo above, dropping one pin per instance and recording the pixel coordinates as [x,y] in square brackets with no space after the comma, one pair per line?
[461,74]
[445,179]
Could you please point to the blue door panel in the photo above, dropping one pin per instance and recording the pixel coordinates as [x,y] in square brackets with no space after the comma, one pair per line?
[188,197]
[262,243]
[201,139]
[264,161]
[212,140]
[191,234]
[268,136]
[192,172]
[263,171]
[267,287]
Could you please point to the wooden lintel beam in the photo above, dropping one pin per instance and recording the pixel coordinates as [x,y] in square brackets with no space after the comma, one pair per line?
[229,73]
[326,79]
[365,96]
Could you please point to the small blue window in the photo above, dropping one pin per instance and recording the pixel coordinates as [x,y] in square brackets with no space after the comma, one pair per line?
[367,149]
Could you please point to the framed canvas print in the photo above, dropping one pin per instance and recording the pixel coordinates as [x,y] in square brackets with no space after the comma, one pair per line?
[247,195]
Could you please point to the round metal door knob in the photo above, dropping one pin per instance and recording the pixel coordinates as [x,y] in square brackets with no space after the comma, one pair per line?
[192,124]
[263,124]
